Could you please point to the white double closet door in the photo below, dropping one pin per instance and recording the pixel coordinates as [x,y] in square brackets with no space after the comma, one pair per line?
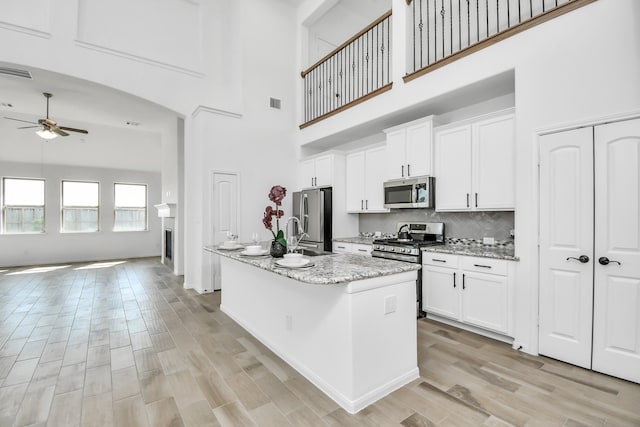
[589,306]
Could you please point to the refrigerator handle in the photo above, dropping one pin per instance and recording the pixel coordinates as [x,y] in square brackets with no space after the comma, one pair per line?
[305,212]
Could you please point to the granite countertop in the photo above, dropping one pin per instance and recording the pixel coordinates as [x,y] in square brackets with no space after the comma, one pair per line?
[498,252]
[328,269]
[359,240]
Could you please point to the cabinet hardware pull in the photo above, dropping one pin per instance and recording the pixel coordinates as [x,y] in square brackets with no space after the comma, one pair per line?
[454,279]
[480,265]
[467,199]
[361,205]
[403,171]
[438,260]
[408,169]
[476,200]
[362,250]
[463,284]
[366,204]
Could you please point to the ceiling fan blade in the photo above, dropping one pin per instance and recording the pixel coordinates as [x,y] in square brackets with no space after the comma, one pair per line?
[28,127]
[57,130]
[73,129]
[19,120]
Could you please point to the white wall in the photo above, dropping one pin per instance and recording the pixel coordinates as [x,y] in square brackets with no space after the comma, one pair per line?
[214,63]
[580,67]
[54,246]
[257,142]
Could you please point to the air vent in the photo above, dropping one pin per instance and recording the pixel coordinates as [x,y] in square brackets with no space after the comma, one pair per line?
[16,72]
[274,103]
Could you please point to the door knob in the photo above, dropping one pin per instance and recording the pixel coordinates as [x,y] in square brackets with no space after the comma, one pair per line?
[582,258]
[604,261]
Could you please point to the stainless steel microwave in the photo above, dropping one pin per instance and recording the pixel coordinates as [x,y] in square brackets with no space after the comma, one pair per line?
[418,192]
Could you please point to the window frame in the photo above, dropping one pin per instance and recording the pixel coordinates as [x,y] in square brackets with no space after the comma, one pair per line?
[146,207]
[3,206]
[63,207]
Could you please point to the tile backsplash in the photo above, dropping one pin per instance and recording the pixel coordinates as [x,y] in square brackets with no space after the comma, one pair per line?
[470,225]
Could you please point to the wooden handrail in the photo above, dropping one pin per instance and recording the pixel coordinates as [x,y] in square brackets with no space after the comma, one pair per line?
[343,45]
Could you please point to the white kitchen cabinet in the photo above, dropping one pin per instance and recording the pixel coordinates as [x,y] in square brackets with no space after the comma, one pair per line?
[341,247]
[365,176]
[474,165]
[410,149]
[361,249]
[317,171]
[352,248]
[471,290]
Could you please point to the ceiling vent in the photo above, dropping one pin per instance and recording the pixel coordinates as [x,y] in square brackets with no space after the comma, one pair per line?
[16,72]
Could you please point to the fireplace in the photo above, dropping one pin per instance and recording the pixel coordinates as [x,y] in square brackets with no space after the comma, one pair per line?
[168,247]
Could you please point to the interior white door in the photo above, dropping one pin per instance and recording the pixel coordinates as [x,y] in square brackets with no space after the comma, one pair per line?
[616,310]
[224,215]
[566,238]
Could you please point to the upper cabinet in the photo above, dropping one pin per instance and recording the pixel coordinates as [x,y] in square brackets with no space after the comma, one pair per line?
[316,171]
[365,175]
[474,165]
[410,149]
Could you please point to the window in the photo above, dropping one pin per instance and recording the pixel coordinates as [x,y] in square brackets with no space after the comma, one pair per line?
[130,207]
[23,206]
[80,206]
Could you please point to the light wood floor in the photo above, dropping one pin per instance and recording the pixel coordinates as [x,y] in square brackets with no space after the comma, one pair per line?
[126,345]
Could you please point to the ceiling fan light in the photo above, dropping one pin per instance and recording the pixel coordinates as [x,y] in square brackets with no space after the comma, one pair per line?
[46,134]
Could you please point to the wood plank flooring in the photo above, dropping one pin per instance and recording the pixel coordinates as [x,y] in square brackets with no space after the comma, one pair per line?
[123,344]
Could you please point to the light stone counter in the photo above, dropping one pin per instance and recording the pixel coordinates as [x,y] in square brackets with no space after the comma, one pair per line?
[356,240]
[328,269]
[498,252]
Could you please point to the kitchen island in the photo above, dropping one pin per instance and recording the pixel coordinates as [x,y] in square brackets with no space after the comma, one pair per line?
[347,323]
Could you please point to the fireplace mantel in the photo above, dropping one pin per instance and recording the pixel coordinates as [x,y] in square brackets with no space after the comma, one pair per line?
[166,210]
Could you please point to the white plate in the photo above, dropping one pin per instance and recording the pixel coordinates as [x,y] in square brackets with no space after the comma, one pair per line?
[230,248]
[293,263]
[295,267]
[261,253]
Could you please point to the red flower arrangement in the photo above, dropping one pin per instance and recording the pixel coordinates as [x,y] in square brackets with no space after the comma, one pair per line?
[276,195]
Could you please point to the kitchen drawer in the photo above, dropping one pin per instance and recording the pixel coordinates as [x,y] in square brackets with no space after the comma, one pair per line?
[485,265]
[361,249]
[341,247]
[440,260]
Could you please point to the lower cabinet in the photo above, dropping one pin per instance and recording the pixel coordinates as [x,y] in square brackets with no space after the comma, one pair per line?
[470,290]
[353,248]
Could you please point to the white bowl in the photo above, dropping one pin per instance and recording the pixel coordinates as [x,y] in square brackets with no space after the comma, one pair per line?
[253,249]
[293,256]
[229,243]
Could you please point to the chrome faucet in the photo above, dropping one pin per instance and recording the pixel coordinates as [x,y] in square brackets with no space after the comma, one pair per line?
[295,238]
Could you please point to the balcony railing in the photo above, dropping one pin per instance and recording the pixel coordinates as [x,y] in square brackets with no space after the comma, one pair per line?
[445,30]
[353,72]
[439,32]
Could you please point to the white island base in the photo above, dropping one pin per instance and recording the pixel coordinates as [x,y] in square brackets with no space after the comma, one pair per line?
[355,341]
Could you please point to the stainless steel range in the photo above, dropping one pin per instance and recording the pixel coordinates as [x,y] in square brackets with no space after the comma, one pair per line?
[412,236]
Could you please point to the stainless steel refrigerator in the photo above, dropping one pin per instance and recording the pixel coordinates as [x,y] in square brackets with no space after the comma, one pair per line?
[313,209]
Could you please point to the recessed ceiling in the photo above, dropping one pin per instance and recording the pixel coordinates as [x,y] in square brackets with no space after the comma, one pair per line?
[75,102]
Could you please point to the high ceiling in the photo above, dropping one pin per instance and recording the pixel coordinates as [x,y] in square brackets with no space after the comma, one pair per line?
[75,103]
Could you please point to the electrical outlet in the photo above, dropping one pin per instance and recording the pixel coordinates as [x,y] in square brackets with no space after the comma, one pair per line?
[390,304]
[488,241]
[288,322]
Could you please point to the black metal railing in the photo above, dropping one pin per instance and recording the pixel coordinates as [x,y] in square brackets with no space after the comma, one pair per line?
[442,28]
[356,70]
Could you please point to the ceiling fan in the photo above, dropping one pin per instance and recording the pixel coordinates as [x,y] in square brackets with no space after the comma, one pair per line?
[49,128]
